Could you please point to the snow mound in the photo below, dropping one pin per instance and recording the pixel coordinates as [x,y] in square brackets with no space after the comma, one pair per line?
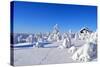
[72,49]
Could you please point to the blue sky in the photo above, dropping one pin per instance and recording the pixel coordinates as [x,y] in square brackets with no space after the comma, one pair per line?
[32,17]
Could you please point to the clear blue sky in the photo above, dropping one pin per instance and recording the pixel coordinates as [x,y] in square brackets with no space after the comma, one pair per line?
[33,17]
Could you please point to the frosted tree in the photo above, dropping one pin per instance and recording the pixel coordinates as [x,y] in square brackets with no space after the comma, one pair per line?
[66,43]
[88,51]
[55,29]
[76,36]
[55,35]
[29,39]
[70,33]
[19,39]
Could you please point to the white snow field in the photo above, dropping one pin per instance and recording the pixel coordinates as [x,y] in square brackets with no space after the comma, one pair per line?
[56,48]
[38,56]
[47,55]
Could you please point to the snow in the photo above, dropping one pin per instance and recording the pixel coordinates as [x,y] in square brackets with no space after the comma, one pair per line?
[72,49]
[54,48]
[22,44]
[37,56]
[88,51]
[50,54]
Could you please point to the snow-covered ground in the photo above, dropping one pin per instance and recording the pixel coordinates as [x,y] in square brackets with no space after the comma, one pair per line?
[55,48]
[37,56]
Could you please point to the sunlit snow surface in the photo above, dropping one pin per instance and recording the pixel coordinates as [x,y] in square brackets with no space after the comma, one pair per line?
[55,48]
[49,54]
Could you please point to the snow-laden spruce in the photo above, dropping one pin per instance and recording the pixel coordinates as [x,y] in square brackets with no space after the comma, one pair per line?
[66,41]
[89,50]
